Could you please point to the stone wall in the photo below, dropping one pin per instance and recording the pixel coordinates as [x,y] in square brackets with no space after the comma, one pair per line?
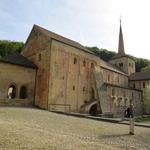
[115,78]
[70,77]
[37,49]
[146,97]
[17,76]
[128,64]
[120,98]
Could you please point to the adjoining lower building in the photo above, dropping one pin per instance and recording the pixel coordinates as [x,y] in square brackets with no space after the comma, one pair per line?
[17,81]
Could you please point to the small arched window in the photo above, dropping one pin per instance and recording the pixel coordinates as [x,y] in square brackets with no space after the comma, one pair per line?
[84,63]
[143,84]
[108,78]
[113,92]
[11,92]
[39,57]
[73,88]
[75,60]
[23,92]
[92,65]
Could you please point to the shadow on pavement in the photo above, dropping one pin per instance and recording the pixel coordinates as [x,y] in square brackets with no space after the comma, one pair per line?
[113,136]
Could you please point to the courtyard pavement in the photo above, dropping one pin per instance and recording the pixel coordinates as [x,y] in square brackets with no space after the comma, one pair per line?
[29,128]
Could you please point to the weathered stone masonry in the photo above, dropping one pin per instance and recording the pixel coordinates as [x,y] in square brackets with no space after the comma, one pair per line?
[62,75]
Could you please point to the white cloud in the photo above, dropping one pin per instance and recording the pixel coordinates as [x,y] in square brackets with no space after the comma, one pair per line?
[91,22]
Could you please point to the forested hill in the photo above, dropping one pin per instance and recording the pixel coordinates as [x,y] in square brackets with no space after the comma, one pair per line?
[141,64]
[8,47]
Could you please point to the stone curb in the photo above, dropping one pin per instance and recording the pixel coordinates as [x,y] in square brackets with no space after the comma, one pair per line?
[111,120]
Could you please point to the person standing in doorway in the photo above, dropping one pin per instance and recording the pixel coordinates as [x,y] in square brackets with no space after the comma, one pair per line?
[129,113]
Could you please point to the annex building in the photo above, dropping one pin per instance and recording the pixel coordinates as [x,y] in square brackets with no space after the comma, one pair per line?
[58,74]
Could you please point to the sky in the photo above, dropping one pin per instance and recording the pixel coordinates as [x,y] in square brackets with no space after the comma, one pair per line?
[89,22]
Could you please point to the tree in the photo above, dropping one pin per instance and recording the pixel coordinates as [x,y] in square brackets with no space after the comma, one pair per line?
[141,63]
[107,55]
[102,53]
[145,69]
[8,47]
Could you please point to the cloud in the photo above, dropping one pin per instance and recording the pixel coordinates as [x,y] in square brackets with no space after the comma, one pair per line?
[91,22]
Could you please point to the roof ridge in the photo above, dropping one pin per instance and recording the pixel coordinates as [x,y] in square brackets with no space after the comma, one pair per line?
[63,39]
[55,33]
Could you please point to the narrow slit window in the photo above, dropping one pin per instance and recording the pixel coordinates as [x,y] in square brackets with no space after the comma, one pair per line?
[74,88]
[92,65]
[75,61]
[39,57]
[84,63]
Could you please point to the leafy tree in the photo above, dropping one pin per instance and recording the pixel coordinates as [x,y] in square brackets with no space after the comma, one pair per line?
[145,69]
[102,53]
[141,63]
[8,47]
[106,55]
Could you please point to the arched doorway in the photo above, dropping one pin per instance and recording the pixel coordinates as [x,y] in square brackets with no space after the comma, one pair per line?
[11,92]
[93,110]
[23,92]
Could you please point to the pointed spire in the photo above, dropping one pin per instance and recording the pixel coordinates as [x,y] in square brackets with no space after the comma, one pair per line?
[121,42]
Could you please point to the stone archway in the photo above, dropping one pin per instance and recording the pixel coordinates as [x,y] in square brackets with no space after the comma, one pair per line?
[11,94]
[93,110]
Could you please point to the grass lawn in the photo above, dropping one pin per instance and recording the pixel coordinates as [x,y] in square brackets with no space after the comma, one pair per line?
[35,129]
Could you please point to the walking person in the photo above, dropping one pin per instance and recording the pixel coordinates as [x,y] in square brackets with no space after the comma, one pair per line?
[129,113]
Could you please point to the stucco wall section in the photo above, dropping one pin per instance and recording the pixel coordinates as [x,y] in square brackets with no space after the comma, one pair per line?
[18,76]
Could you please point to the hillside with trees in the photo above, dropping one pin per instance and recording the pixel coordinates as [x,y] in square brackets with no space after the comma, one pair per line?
[141,64]
[8,47]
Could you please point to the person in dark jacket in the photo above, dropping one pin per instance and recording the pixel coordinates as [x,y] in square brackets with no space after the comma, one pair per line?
[129,113]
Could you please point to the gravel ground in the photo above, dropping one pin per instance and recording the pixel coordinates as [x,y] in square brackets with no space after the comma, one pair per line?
[29,128]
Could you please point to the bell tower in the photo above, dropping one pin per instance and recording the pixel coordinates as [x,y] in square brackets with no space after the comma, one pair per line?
[125,62]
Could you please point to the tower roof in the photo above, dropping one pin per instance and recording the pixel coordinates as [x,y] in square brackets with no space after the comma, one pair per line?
[121,42]
[121,51]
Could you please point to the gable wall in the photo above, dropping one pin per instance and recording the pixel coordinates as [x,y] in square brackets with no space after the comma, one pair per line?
[37,49]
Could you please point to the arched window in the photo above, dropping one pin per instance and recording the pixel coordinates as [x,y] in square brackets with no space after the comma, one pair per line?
[23,92]
[84,63]
[108,78]
[39,57]
[11,92]
[113,92]
[75,60]
[92,65]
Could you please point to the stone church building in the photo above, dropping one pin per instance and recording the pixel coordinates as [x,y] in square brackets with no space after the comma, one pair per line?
[58,74]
